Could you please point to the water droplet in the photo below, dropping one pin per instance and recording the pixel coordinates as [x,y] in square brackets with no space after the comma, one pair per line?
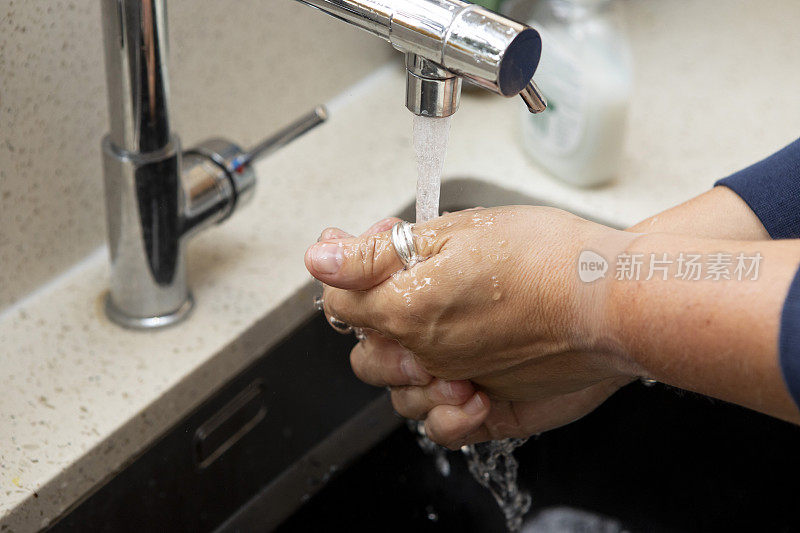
[497,293]
[431,514]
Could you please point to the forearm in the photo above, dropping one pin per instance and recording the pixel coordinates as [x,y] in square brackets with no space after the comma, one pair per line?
[716,214]
[716,337]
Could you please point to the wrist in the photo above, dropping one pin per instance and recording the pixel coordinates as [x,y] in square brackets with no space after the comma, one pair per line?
[602,301]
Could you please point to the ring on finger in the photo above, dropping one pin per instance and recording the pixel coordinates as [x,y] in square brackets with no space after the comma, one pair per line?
[340,326]
[403,242]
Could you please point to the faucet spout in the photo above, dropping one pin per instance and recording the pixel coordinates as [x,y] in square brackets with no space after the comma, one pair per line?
[456,37]
[431,91]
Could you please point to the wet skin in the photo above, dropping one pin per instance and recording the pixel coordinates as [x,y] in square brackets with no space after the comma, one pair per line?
[494,335]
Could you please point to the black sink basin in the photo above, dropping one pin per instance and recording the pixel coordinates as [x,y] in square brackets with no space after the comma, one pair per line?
[296,443]
[276,432]
[651,459]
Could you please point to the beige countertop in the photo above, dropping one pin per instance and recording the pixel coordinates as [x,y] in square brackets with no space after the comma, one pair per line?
[81,397]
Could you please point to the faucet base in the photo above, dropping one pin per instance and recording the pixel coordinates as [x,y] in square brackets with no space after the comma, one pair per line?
[151,322]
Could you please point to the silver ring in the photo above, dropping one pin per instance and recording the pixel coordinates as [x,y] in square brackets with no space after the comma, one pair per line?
[403,242]
[340,325]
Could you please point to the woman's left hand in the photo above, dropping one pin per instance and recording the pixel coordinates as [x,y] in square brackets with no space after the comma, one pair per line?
[455,412]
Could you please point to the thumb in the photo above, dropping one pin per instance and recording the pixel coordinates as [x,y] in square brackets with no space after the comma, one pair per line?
[329,234]
[356,263]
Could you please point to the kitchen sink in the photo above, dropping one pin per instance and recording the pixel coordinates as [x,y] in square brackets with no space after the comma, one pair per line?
[295,443]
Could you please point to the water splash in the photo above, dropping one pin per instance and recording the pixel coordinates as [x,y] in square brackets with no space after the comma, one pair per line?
[492,463]
[431,448]
[494,466]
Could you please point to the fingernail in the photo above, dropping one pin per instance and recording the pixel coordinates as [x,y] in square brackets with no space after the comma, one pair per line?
[457,389]
[327,257]
[332,233]
[413,371]
[379,226]
[447,389]
[474,406]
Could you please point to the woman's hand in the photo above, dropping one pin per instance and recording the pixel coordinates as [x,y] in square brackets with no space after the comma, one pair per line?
[455,413]
[498,302]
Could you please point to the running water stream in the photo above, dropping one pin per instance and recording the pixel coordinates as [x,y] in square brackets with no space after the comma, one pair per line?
[492,463]
[429,136]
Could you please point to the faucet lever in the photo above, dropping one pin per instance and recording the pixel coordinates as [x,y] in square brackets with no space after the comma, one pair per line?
[534,98]
[218,175]
[283,137]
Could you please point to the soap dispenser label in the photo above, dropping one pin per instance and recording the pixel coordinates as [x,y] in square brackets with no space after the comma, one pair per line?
[561,126]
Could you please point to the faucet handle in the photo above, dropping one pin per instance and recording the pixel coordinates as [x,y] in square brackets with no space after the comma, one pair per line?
[533,98]
[310,120]
[218,174]
[237,163]
[212,163]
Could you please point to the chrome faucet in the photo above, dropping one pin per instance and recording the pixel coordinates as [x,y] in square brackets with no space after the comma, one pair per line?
[445,41]
[156,195]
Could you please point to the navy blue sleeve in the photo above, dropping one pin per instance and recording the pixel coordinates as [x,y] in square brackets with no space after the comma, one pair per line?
[771,188]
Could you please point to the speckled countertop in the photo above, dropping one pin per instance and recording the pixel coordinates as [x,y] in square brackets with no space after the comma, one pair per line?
[79,396]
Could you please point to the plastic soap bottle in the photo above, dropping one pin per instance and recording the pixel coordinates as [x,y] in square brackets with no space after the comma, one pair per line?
[585,74]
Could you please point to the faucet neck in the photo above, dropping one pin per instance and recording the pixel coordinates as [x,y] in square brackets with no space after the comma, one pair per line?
[135,34]
[468,40]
